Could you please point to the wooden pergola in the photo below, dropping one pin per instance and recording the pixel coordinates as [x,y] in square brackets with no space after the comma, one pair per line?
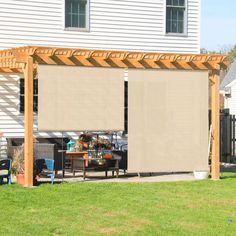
[25,60]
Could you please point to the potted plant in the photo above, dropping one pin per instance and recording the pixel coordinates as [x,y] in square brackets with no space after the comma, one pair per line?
[102,143]
[201,174]
[84,139]
[18,165]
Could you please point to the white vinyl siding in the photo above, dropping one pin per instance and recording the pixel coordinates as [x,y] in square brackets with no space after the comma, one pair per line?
[230,102]
[11,120]
[135,25]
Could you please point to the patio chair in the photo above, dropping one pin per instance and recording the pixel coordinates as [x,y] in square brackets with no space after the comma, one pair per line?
[45,168]
[5,170]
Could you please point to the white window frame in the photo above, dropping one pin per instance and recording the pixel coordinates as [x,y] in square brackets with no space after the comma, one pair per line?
[87,23]
[20,112]
[185,33]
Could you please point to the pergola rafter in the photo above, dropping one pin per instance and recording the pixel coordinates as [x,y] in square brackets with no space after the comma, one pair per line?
[101,58]
[25,60]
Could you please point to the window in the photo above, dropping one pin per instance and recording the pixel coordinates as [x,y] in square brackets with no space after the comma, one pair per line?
[76,14]
[22,96]
[175,16]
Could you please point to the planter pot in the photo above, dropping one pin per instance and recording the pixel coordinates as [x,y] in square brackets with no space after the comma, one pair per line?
[108,156]
[20,178]
[200,174]
[84,144]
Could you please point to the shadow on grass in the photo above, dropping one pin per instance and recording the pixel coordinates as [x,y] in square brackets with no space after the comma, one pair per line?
[48,182]
[228,175]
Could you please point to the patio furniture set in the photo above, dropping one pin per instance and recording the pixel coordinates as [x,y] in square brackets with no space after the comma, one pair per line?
[53,155]
[80,161]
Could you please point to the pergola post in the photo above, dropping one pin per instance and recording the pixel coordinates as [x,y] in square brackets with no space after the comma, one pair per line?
[28,146]
[215,114]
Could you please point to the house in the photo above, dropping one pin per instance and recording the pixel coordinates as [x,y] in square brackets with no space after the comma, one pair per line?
[135,25]
[86,49]
[170,26]
[228,89]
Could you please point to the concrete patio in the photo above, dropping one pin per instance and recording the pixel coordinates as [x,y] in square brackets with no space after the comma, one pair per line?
[99,177]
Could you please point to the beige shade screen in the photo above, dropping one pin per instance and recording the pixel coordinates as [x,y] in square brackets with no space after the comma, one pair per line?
[80,98]
[168,120]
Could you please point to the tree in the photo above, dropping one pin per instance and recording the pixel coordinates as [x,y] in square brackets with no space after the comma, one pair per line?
[232,52]
[223,49]
[203,51]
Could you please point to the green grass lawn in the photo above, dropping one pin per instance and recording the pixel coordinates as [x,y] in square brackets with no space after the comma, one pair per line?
[180,208]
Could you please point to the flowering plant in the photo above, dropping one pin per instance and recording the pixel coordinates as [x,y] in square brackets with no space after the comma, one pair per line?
[102,143]
[86,137]
[18,162]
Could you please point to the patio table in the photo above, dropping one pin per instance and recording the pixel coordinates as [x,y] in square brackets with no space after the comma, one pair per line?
[71,157]
[96,164]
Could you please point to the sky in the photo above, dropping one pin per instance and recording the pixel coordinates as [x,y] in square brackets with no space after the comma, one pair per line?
[218,24]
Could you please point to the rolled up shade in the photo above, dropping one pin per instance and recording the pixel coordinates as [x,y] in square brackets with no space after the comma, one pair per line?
[75,98]
[168,121]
